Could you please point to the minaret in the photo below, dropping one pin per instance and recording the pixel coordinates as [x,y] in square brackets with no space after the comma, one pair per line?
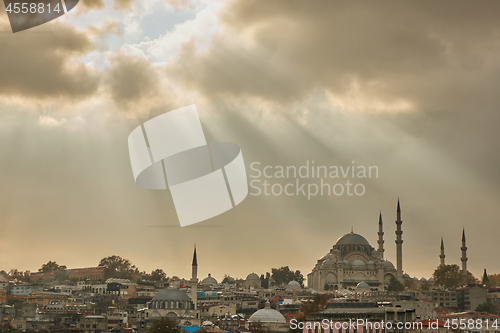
[442,256]
[486,280]
[194,280]
[380,237]
[399,245]
[464,257]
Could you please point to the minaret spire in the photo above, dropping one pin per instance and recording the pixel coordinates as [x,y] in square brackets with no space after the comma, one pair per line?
[464,257]
[442,256]
[380,237]
[194,280]
[399,244]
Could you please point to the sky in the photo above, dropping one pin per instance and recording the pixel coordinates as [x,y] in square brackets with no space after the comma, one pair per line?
[408,87]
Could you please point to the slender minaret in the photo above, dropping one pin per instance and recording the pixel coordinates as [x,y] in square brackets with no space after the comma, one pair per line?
[442,256]
[486,280]
[380,237]
[464,257]
[194,280]
[399,245]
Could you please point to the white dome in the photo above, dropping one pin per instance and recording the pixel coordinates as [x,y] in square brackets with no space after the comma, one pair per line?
[293,285]
[267,315]
[209,281]
[358,263]
[362,285]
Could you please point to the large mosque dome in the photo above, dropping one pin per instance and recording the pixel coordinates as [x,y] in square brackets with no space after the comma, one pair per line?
[171,294]
[352,239]
[267,315]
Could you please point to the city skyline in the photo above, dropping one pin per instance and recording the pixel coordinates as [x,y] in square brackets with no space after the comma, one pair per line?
[408,87]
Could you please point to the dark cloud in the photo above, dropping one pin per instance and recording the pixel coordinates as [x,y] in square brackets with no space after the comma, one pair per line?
[41,64]
[381,54]
[123,4]
[131,79]
[89,5]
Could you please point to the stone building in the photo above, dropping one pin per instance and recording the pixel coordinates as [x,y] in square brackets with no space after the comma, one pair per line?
[352,260]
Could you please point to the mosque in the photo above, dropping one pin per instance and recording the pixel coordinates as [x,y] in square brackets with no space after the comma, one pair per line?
[352,261]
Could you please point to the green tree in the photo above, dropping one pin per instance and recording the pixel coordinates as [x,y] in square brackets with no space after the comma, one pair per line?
[486,307]
[409,283]
[395,285]
[447,276]
[426,285]
[284,275]
[158,275]
[51,266]
[164,325]
[117,267]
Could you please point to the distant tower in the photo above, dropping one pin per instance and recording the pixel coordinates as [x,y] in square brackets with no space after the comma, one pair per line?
[399,245]
[380,237]
[194,280]
[486,280]
[442,256]
[464,257]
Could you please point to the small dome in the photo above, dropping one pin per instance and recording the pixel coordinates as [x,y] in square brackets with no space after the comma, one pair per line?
[267,315]
[375,253]
[171,294]
[336,251]
[327,256]
[388,264]
[293,285]
[352,239]
[329,263]
[415,279]
[423,280]
[370,263]
[362,285]
[406,276]
[358,263]
[431,279]
[209,281]
[253,276]
[346,263]
[229,279]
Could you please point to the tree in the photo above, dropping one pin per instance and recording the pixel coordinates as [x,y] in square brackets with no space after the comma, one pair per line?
[117,267]
[284,275]
[158,275]
[51,266]
[447,276]
[486,307]
[494,280]
[395,285]
[164,325]
[426,285]
[409,283]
